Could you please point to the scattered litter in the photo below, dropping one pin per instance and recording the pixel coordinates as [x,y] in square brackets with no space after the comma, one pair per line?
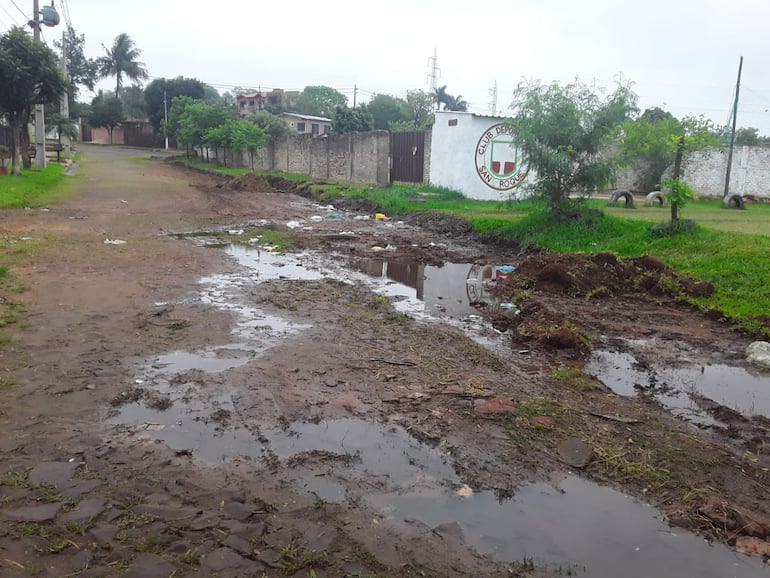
[253,240]
[618,418]
[466,491]
[391,248]
[307,228]
[392,362]
[505,269]
[25,238]
[380,216]
[235,232]
[441,245]
[44,210]
[293,225]
[123,201]
[139,381]
[316,218]
[336,215]
[114,242]
[153,426]
[506,305]
[378,248]
[361,218]
[263,223]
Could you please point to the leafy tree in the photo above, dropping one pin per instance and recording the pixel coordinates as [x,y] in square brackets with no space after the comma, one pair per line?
[744,136]
[122,59]
[82,71]
[29,75]
[221,137]
[418,112]
[275,127]
[319,101]
[346,120]
[106,111]
[171,88]
[247,136]
[386,109]
[134,104]
[193,120]
[563,131]
[651,142]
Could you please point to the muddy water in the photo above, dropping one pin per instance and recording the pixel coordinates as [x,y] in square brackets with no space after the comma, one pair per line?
[679,388]
[569,525]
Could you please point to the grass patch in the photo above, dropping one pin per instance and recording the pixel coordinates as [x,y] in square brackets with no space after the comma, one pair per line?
[213,166]
[16,479]
[574,377]
[34,187]
[294,557]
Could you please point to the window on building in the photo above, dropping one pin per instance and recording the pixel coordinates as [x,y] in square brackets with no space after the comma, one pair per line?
[327,129]
[251,102]
[314,128]
[243,104]
[300,127]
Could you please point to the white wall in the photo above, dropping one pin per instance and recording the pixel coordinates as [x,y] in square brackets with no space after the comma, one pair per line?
[453,155]
[750,173]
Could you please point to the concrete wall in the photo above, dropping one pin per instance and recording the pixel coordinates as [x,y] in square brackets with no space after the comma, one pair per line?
[463,148]
[705,172]
[354,157]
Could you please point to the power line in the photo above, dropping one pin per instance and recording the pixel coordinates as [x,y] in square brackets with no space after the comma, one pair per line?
[13,19]
[20,10]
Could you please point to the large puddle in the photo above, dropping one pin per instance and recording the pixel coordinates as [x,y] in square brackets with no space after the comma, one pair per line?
[681,388]
[572,524]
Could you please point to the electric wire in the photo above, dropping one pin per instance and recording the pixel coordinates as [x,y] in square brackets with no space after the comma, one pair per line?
[20,10]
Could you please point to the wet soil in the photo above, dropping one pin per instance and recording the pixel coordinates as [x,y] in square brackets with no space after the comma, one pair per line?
[174,408]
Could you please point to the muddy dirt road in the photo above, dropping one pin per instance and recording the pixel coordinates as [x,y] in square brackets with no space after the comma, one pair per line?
[390,399]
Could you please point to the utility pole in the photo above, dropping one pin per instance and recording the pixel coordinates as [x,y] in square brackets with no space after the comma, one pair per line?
[50,18]
[493,102]
[165,116]
[732,134]
[65,99]
[433,71]
[39,108]
[355,93]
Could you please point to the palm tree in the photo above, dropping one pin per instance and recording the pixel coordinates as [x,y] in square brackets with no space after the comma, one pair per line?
[440,96]
[121,60]
[456,104]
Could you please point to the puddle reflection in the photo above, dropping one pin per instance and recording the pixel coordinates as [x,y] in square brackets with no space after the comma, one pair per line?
[678,388]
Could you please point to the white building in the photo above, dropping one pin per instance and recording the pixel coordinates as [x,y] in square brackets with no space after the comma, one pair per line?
[475,154]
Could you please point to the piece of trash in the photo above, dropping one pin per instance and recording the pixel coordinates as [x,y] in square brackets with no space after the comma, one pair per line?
[253,241]
[336,215]
[139,381]
[392,362]
[114,242]
[379,216]
[506,305]
[153,426]
[316,218]
[378,248]
[123,201]
[505,269]
[293,225]
[235,232]
[466,491]
[617,418]
[361,218]
[308,228]
[391,248]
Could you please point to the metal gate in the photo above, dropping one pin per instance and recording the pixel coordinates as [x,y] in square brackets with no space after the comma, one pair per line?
[407,154]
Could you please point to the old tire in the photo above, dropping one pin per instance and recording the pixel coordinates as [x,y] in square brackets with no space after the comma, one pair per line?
[734,202]
[622,194]
[655,198]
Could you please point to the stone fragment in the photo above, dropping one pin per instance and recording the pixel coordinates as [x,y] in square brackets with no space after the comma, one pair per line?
[222,559]
[84,511]
[492,405]
[149,566]
[575,452]
[758,353]
[53,473]
[43,513]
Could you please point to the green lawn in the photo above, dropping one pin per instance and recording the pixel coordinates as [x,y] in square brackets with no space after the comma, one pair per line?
[34,187]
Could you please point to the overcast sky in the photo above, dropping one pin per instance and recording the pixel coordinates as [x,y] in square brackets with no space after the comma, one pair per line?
[681,55]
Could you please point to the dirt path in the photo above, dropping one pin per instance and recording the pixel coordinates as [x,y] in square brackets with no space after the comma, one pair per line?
[170,408]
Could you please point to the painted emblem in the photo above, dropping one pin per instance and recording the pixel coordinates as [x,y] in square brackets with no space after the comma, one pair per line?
[499,162]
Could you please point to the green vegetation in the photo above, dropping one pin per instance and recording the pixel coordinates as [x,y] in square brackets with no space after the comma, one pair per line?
[34,187]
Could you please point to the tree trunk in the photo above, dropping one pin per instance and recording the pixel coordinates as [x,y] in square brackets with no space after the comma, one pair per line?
[15,148]
[677,172]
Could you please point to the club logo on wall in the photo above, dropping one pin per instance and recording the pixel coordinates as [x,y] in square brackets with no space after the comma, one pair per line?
[499,162]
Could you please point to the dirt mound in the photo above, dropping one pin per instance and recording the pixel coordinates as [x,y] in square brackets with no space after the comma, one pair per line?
[601,275]
[248,182]
[539,278]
